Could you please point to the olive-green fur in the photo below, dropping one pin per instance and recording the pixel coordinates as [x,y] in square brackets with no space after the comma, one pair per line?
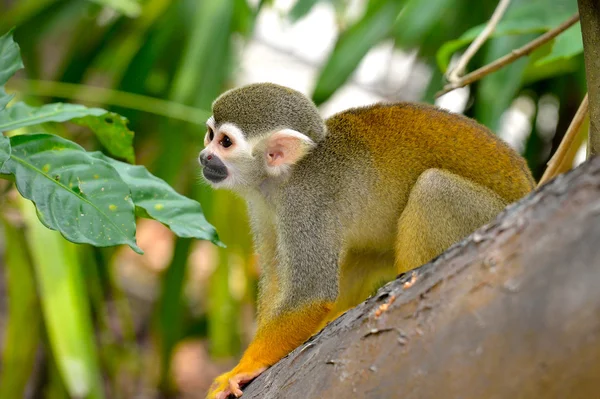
[285,108]
[405,139]
[385,189]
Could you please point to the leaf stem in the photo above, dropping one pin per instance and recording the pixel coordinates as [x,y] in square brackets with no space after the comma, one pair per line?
[100,95]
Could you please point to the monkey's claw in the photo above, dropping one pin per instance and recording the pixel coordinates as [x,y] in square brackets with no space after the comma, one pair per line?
[231,382]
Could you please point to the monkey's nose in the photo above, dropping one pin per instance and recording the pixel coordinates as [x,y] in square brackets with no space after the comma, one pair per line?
[208,159]
[204,158]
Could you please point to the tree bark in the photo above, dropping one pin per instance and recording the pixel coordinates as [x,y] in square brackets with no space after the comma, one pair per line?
[589,11]
[513,311]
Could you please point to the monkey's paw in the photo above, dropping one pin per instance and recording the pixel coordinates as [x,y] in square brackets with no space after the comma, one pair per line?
[230,383]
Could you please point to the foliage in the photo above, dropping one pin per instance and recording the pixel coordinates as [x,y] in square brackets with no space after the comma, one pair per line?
[88,198]
[153,67]
[80,194]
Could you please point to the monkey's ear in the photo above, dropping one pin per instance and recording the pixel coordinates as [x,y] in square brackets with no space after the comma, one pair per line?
[284,148]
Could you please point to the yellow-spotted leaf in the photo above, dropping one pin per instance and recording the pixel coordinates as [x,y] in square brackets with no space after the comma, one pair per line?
[81,196]
[159,201]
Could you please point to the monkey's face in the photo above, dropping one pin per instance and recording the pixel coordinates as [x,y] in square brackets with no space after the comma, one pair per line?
[232,160]
[227,156]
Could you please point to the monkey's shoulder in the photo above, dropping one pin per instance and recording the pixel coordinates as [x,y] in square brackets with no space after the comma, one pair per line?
[405,116]
[415,126]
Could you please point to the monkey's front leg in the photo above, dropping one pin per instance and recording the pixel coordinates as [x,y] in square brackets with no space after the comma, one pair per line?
[304,280]
[274,339]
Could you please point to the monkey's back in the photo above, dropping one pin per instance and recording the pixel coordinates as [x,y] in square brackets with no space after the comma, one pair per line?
[405,139]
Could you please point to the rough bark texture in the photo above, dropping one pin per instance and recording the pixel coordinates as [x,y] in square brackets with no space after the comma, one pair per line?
[589,11]
[513,311]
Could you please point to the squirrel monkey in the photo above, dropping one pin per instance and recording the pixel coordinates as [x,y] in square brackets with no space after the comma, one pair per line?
[337,205]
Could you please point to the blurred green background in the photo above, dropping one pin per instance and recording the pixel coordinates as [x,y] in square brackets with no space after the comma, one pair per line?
[167,322]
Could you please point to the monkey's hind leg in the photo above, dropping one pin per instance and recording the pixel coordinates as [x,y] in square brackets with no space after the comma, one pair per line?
[361,274]
[442,209]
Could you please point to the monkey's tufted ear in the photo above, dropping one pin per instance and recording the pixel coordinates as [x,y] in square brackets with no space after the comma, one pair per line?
[284,148]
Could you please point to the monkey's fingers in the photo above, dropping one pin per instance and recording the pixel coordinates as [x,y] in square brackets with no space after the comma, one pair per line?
[219,388]
[241,379]
[231,382]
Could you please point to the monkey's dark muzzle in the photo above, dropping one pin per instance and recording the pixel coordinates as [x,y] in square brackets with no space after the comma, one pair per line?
[213,168]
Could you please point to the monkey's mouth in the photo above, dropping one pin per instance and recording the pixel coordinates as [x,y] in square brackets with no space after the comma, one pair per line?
[214,175]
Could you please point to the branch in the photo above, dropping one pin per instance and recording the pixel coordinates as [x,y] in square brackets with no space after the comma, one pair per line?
[507,59]
[510,312]
[453,75]
[590,30]
[556,163]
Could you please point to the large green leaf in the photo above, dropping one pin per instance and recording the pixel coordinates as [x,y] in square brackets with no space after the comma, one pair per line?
[161,202]
[532,16]
[79,195]
[110,128]
[353,45]
[10,62]
[4,149]
[65,308]
[19,348]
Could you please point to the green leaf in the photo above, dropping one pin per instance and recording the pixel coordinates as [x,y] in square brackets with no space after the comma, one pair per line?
[301,8]
[532,16]
[19,348]
[567,45]
[110,128]
[10,62]
[244,17]
[4,149]
[162,203]
[417,19]
[353,45]
[130,8]
[79,195]
[65,308]
[23,11]
[496,91]
[201,73]
[556,67]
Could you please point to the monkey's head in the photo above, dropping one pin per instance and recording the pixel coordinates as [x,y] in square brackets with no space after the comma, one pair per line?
[258,132]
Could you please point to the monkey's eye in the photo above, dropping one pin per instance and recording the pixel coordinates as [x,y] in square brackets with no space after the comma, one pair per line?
[226,141]
[211,134]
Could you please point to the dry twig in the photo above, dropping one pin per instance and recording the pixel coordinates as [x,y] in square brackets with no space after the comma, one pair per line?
[507,59]
[454,74]
[557,160]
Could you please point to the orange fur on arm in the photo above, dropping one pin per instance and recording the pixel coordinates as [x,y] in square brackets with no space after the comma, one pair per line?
[277,337]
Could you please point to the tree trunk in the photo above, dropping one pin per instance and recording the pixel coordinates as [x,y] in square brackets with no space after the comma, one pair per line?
[513,311]
[589,11]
